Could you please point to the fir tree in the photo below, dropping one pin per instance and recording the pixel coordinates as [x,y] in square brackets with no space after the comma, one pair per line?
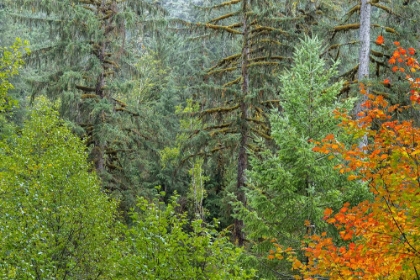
[294,184]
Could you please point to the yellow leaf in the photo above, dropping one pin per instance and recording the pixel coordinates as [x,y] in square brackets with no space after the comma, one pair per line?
[415,152]
[352,177]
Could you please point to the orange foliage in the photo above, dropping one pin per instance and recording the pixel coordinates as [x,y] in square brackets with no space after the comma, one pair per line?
[380,239]
[380,40]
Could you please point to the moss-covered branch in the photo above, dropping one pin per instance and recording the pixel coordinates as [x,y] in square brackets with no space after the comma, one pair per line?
[85,89]
[236,81]
[386,9]
[225,16]
[222,27]
[226,60]
[228,3]
[89,96]
[347,27]
[351,12]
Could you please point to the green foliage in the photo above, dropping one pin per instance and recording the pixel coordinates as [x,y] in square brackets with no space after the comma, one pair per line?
[295,184]
[90,55]
[161,247]
[55,223]
[10,62]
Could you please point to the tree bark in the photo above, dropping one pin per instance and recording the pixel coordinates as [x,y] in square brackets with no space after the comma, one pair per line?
[242,154]
[364,37]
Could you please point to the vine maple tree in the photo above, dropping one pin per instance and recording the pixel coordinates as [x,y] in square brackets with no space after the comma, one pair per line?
[380,238]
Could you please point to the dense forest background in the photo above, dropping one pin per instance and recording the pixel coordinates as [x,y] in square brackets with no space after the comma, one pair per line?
[198,139]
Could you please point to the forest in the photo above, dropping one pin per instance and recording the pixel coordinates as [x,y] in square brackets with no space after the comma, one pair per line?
[209,139]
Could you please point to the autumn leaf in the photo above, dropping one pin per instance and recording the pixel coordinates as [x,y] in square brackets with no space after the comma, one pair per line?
[297,264]
[411,51]
[372,244]
[352,177]
[380,40]
[328,212]
[329,137]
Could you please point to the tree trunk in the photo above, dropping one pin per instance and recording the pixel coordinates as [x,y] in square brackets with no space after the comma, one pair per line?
[364,37]
[242,154]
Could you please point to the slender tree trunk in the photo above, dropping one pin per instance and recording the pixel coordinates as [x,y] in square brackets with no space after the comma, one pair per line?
[242,154]
[364,37]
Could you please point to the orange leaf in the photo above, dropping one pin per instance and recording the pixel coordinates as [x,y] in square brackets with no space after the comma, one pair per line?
[331,220]
[316,149]
[380,40]
[296,264]
[411,51]
[328,212]
[329,137]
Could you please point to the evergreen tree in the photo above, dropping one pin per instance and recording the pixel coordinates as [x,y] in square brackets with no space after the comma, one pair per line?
[294,184]
[239,88]
[87,62]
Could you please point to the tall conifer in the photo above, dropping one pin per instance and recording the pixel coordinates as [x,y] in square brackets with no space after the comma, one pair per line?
[294,184]
[240,86]
[87,60]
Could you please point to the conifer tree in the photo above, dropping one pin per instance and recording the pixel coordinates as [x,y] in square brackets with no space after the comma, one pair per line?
[87,62]
[293,184]
[240,87]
